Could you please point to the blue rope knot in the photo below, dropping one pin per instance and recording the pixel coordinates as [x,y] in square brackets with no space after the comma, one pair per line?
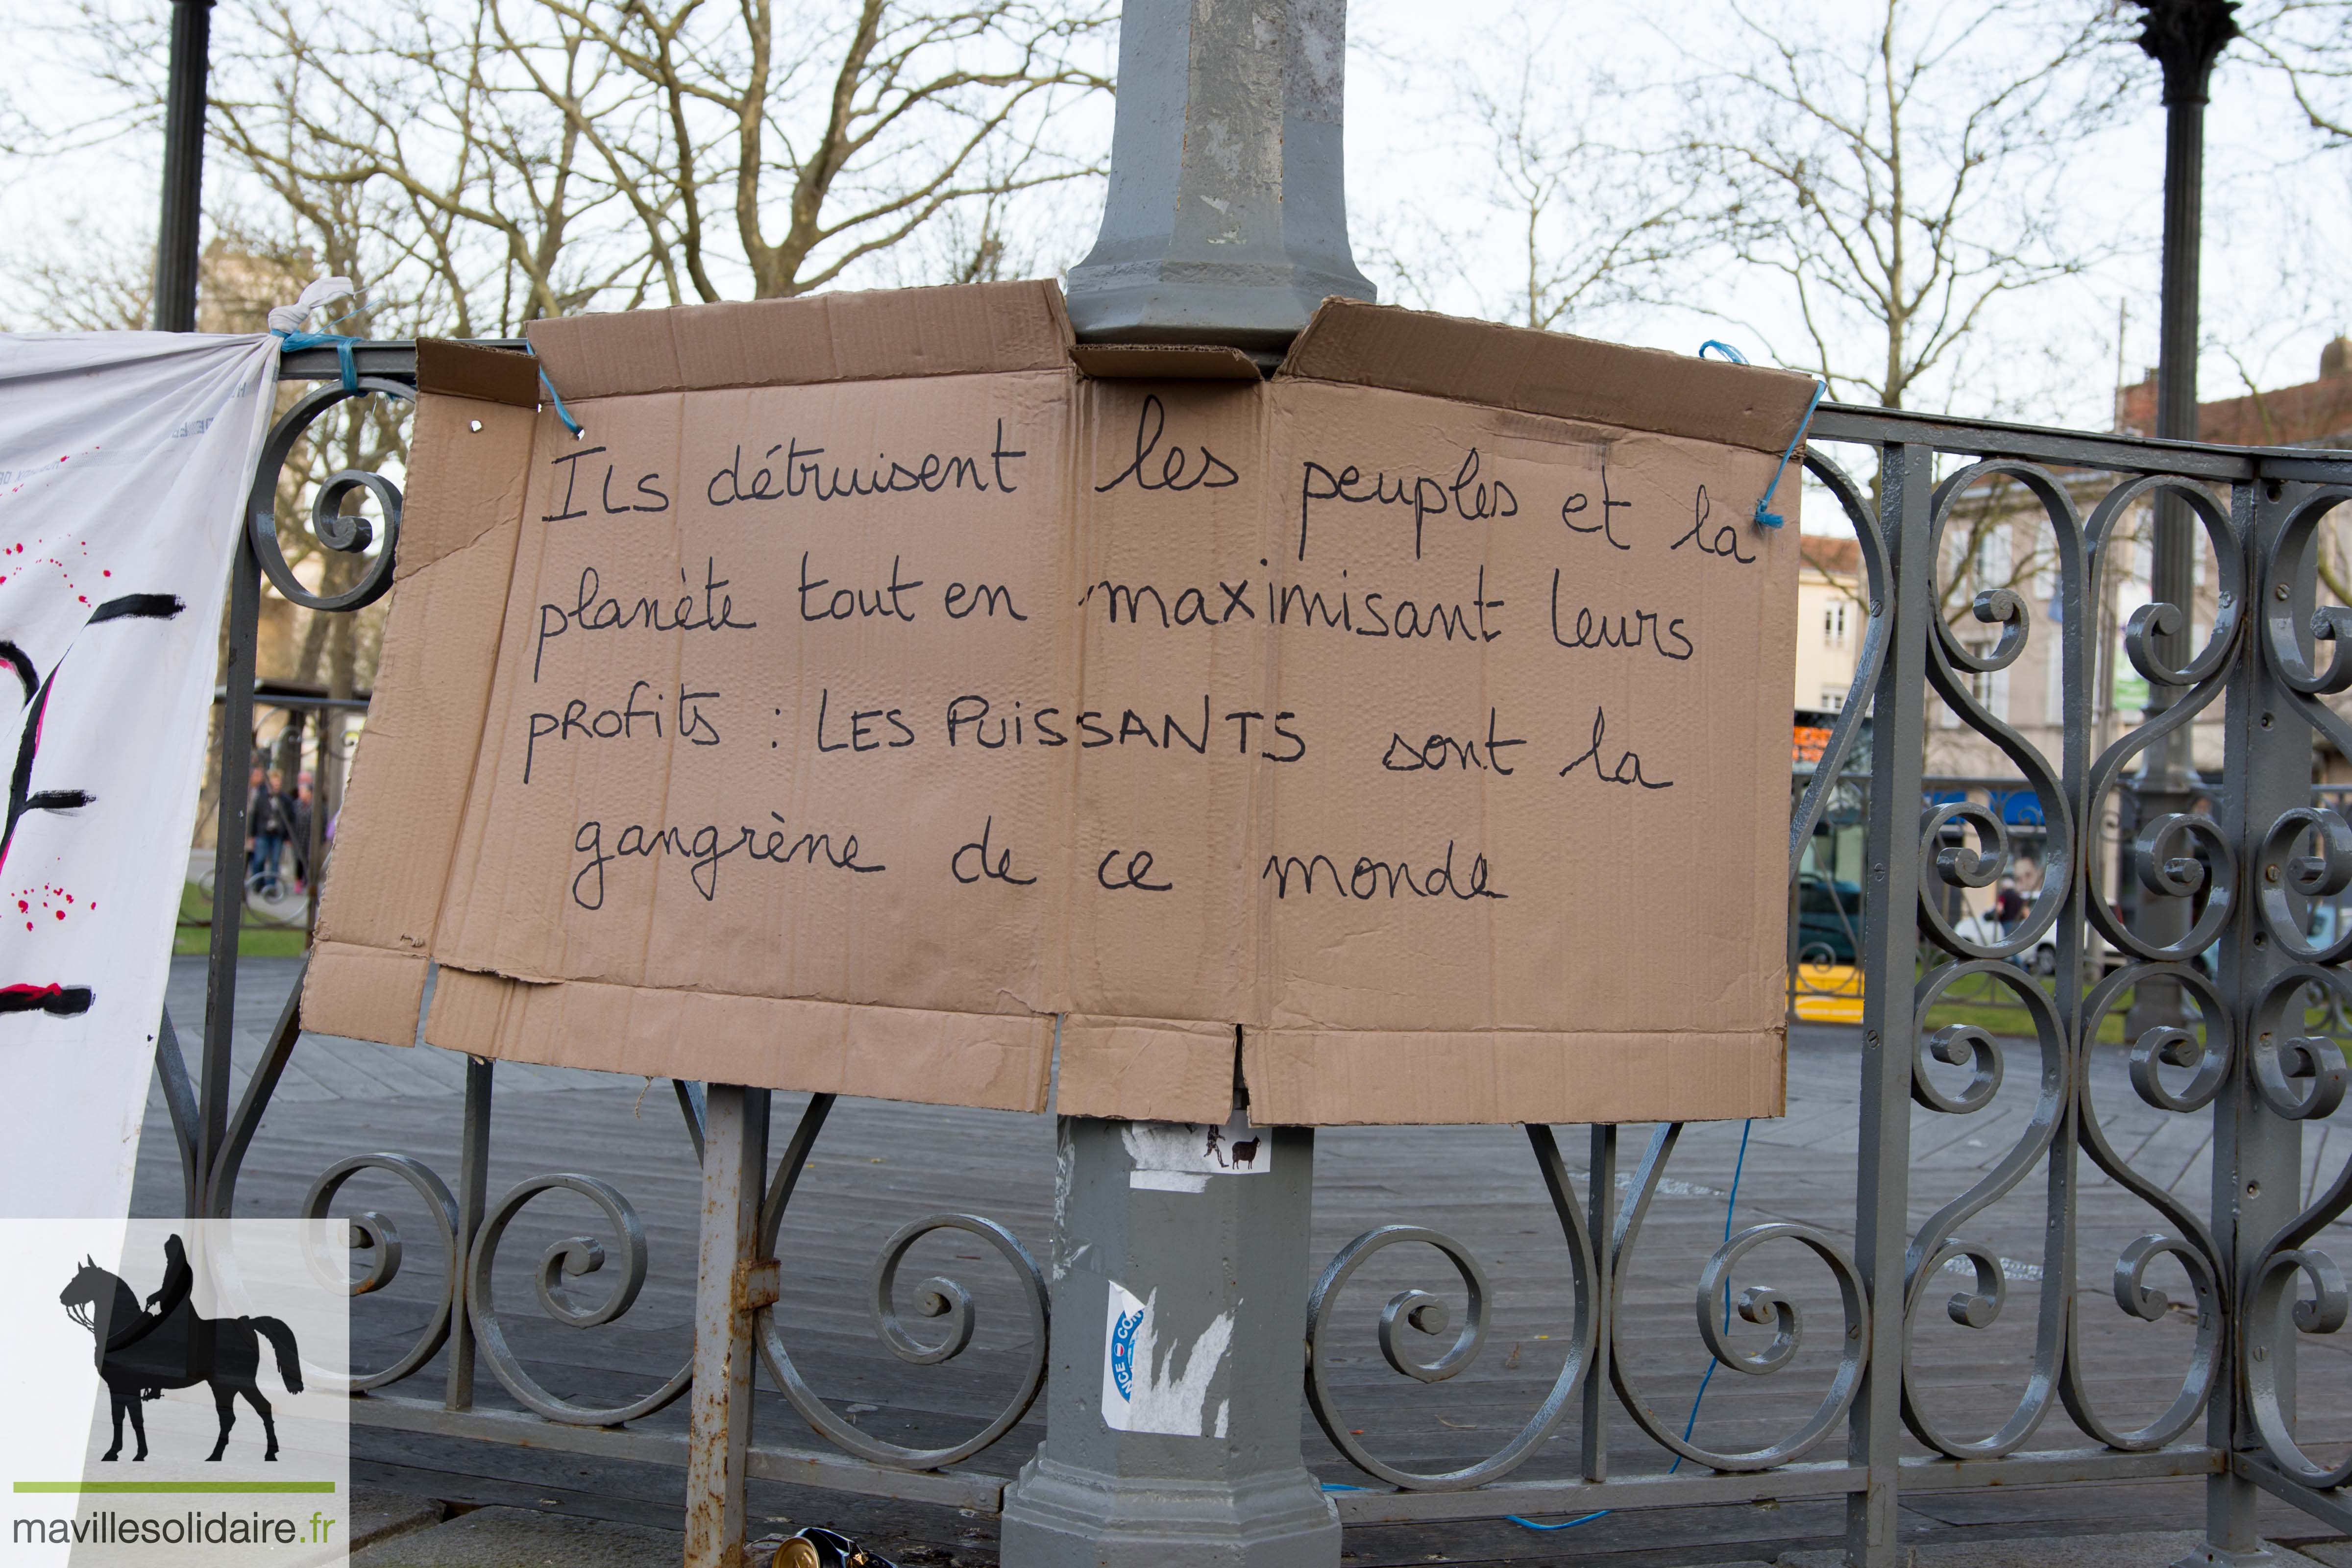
[336,340]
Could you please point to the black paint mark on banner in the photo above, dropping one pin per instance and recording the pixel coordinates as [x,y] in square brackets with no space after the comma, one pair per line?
[60,1001]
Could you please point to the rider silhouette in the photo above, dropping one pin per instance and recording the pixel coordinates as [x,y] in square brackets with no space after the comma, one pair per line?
[178,1280]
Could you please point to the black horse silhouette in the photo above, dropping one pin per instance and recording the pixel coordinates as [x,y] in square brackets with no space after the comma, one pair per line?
[139,1353]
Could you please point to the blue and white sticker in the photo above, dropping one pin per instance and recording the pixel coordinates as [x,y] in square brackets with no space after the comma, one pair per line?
[1151,1387]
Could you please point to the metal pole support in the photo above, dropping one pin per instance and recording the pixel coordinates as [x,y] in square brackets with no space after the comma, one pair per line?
[1226,220]
[1174,1394]
[2185,36]
[730,1285]
[178,236]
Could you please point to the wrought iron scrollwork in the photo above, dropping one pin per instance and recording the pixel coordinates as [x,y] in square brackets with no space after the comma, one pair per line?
[563,1261]
[1938,1243]
[345,535]
[1872,656]
[1759,1305]
[378,1233]
[1949,662]
[1426,1314]
[935,1298]
[2207,1060]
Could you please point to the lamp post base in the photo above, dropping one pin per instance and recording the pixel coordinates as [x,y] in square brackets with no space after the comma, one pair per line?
[1175,1392]
[1062,1516]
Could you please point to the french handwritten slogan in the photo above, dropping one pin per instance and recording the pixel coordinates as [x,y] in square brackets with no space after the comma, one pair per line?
[1363,722]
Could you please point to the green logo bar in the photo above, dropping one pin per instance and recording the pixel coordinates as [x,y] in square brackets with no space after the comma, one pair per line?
[125,1487]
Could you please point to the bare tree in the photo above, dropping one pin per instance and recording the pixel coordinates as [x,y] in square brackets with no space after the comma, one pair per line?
[93,282]
[2309,44]
[1580,214]
[1898,180]
[523,158]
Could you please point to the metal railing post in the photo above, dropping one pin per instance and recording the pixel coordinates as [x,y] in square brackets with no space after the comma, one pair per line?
[228,853]
[1890,950]
[729,1286]
[2257,1155]
[473,1184]
[1601,1201]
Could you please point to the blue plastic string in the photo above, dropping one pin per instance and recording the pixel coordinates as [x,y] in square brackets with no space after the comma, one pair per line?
[1729,1204]
[1765,516]
[1564,1524]
[555,397]
[336,340]
[560,412]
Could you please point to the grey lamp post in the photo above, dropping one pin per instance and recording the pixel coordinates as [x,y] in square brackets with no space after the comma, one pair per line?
[178,226]
[1226,223]
[2185,36]
[1227,216]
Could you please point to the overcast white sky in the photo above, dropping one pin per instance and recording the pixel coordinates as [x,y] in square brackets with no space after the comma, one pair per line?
[2278,256]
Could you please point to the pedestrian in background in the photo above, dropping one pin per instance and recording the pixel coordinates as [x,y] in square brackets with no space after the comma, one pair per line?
[266,818]
[299,818]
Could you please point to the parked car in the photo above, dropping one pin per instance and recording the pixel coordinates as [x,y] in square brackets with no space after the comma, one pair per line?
[1828,919]
[2041,958]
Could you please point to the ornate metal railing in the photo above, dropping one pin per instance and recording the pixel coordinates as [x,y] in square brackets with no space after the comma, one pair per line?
[2248,1047]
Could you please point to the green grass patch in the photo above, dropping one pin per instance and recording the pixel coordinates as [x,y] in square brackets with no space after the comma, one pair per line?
[254,940]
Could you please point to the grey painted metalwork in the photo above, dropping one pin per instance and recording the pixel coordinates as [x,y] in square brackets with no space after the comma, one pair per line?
[2260,1058]
[179,239]
[1222,1266]
[2186,37]
[1226,220]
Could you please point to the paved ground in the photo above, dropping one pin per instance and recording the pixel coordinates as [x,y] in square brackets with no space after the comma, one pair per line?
[880,1165]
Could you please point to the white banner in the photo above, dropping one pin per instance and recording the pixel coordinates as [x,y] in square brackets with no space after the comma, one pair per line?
[125,460]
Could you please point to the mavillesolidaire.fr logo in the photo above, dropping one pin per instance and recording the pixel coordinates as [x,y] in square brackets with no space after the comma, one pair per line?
[181,1394]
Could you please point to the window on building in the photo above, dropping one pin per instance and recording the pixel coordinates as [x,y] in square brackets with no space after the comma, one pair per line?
[1989,687]
[1833,624]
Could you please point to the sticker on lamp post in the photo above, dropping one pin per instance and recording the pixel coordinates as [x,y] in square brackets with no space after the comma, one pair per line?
[1146,1386]
[1181,1156]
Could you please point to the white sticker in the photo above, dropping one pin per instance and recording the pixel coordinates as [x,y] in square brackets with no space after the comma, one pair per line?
[1143,1388]
[1181,1156]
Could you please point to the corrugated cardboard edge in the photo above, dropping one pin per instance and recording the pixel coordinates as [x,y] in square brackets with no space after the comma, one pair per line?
[366,992]
[1164,362]
[470,370]
[998,1063]
[407,796]
[972,328]
[1323,1079]
[1162,1069]
[1550,373]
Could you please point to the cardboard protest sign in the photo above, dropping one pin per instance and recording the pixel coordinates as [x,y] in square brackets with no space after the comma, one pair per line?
[877,682]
